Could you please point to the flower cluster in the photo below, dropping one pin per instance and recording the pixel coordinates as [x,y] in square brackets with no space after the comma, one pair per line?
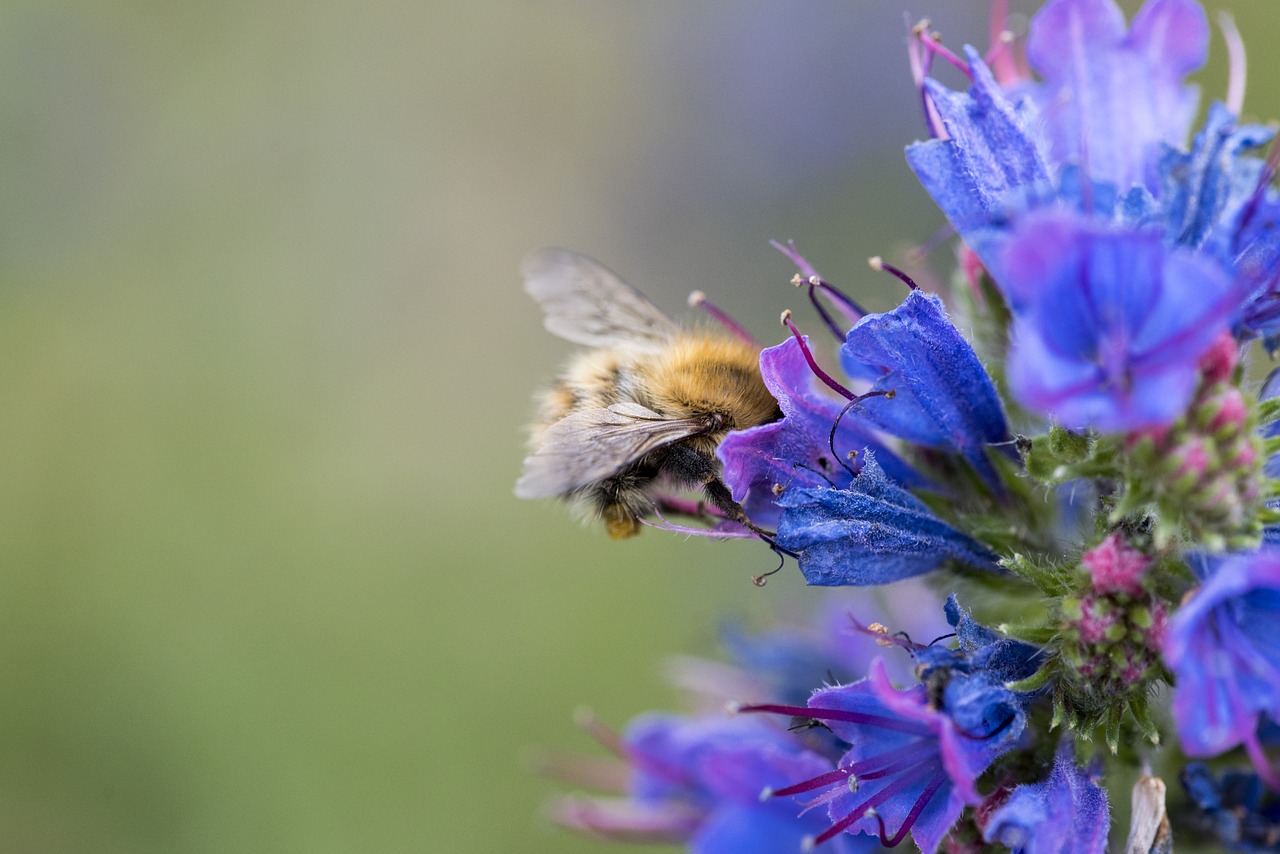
[1087,467]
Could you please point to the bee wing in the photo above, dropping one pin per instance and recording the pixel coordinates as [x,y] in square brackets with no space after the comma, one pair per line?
[589,446]
[587,304]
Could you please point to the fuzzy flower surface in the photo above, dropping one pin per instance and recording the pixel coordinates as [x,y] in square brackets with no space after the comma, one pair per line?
[1065,814]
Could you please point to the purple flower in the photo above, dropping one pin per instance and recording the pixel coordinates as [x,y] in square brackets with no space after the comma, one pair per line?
[913,760]
[699,781]
[1111,100]
[1065,814]
[1109,323]
[1221,648]
[796,451]
[1121,256]
[874,532]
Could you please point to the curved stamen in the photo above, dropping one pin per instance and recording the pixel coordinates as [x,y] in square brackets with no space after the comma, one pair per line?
[813,364]
[907,823]
[835,425]
[878,264]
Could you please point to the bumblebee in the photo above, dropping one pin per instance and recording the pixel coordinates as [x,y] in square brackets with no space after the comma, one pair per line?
[639,415]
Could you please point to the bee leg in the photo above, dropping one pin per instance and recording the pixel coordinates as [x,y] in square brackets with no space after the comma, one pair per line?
[698,468]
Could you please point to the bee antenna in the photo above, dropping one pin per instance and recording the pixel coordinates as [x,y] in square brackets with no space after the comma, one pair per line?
[878,264]
[697,299]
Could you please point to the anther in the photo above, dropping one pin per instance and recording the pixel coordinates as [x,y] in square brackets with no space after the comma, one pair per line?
[878,264]
[698,299]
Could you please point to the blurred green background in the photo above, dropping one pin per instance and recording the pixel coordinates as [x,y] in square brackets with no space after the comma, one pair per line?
[265,363]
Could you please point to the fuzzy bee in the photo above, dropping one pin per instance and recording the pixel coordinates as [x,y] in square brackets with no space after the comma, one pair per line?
[640,414]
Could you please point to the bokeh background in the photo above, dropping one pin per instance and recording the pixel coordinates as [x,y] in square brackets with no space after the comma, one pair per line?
[265,362]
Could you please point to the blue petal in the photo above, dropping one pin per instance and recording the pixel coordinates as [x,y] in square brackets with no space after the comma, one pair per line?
[943,396]
[993,164]
[980,650]
[872,533]
[1208,187]
[1065,814]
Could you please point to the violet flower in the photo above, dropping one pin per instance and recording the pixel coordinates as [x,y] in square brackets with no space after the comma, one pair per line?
[1077,181]
[913,760]
[697,781]
[1221,647]
[796,451]
[1064,814]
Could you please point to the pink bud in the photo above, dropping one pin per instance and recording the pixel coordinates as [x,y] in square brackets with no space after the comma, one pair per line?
[1115,566]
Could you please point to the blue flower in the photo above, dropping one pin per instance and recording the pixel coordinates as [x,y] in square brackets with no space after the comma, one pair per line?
[942,395]
[1065,814]
[874,532]
[928,388]
[1109,323]
[913,759]
[979,649]
[1235,807]
[698,781]
[1221,648]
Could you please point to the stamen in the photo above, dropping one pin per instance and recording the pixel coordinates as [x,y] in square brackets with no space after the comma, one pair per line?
[929,39]
[698,299]
[999,55]
[860,811]
[835,425]
[808,275]
[813,364]
[797,281]
[916,809]
[762,580]
[921,62]
[793,254]
[878,264]
[1236,62]
[605,736]
[895,724]
[830,778]
[882,636]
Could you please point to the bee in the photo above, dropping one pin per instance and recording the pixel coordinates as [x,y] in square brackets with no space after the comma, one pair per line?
[641,412]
